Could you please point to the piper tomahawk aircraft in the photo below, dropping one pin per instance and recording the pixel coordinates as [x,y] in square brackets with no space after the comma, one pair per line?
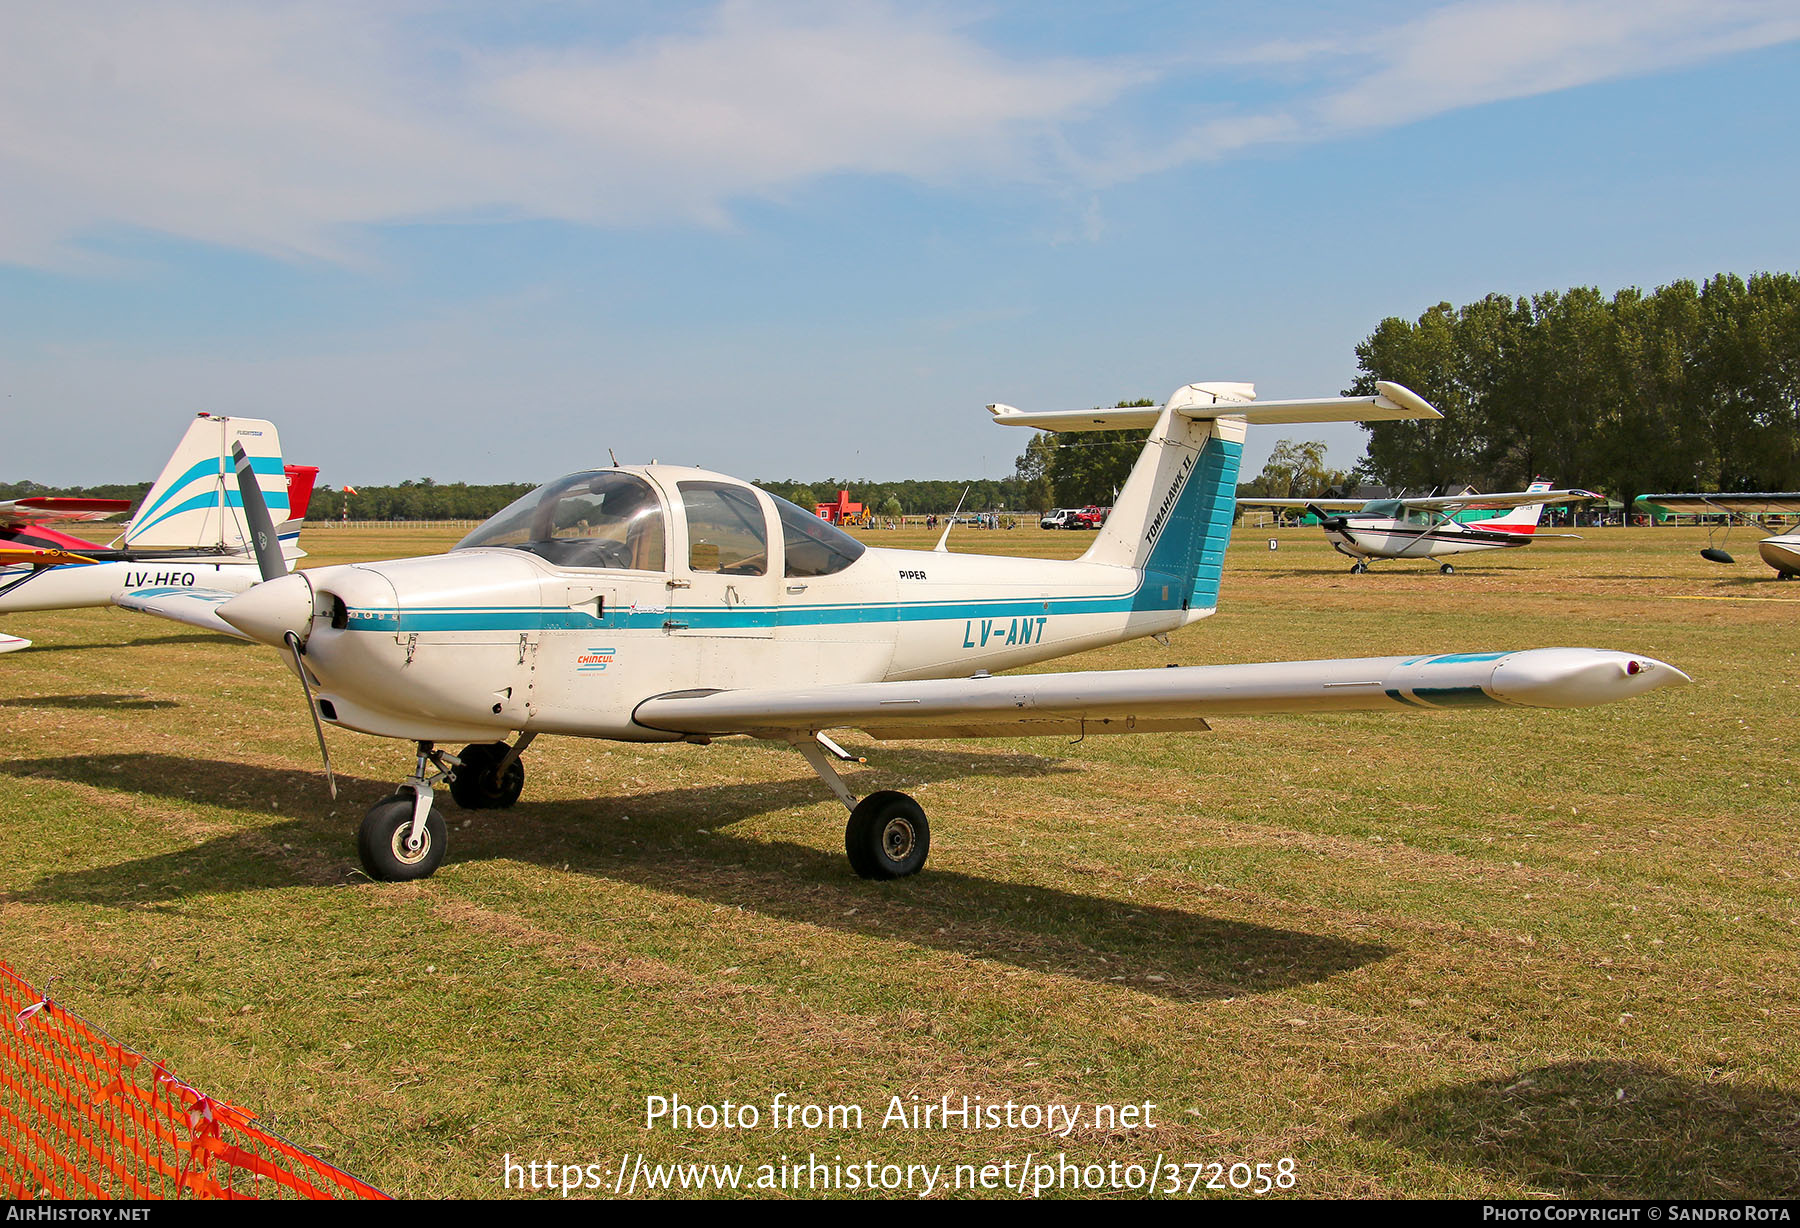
[188,533]
[1782,551]
[664,604]
[1425,527]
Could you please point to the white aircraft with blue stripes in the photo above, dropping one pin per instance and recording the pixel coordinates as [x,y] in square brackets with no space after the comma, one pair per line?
[189,532]
[665,604]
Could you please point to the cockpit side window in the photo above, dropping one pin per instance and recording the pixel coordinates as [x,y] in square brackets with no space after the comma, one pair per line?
[725,529]
[600,518]
[813,547]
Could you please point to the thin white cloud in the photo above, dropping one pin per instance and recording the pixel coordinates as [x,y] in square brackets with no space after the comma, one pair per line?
[289,128]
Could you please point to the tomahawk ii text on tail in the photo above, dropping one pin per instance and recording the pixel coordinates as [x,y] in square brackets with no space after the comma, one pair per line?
[663,604]
[188,534]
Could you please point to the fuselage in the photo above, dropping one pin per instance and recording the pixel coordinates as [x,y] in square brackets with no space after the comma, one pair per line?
[75,585]
[494,638]
[1781,552]
[1385,537]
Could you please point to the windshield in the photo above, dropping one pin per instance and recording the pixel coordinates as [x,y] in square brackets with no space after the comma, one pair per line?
[601,518]
[814,546]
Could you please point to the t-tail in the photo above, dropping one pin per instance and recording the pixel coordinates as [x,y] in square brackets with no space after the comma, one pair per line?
[1172,519]
[195,503]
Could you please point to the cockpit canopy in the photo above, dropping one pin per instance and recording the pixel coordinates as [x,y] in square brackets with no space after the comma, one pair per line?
[605,518]
[600,518]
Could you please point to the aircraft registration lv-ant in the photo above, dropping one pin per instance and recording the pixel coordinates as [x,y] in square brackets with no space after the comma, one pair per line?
[662,604]
[1426,527]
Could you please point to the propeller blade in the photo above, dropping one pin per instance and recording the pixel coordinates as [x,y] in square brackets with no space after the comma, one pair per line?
[293,643]
[1334,523]
[256,513]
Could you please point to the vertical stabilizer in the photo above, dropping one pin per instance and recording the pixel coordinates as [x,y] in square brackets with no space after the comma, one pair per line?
[195,502]
[1523,519]
[1173,517]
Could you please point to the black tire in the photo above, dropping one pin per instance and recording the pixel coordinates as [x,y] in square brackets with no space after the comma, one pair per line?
[380,842]
[1444,569]
[1357,568]
[475,786]
[887,836]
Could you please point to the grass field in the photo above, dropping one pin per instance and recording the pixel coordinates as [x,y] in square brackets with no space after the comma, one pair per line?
[1463,954]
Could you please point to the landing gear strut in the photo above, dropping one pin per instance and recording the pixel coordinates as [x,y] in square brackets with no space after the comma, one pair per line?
[887,835]
[403,837]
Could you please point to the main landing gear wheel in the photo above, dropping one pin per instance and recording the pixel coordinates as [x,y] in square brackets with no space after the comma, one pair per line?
[1444,569]
[1358,568]
[381,842]
[887,836]
[479,785]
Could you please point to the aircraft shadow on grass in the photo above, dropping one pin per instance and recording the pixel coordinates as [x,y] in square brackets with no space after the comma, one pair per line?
[199,637]
[1608,1129]
[122,703]
[671,840]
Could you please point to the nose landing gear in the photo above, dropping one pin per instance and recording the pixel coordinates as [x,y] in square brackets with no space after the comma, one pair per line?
[403,837]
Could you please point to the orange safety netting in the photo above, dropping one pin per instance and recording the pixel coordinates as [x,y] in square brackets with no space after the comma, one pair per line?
[82,1116]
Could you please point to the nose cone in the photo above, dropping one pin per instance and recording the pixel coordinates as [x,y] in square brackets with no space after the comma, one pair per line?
[270,610]
[1579,677]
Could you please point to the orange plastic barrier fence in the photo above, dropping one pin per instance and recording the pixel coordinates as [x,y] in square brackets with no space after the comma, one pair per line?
[82,1116]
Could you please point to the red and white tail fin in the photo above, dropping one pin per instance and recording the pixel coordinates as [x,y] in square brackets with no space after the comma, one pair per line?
[300,479]
[1522,520]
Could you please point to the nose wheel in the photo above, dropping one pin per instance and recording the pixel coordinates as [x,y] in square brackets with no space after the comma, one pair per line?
[403,837]
[387,847]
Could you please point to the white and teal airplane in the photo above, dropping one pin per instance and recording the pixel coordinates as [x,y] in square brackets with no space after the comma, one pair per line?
[665,604]
[189,532]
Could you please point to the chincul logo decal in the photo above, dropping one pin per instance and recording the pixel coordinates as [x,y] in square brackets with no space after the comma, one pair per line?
[593,661]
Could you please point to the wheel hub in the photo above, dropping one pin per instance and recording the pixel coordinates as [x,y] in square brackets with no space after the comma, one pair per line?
[898,838]
[403,849]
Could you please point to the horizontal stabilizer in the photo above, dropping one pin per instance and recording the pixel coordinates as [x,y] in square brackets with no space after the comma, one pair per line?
[1204,401]
[1140,700]
[12,643]
[196,607]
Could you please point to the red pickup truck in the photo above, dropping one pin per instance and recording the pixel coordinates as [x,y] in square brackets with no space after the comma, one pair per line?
[1089,517]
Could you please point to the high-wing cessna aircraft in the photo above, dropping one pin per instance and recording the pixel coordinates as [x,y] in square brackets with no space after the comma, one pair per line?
[188,533]
[1782,551]
[1426,527]
[664,604]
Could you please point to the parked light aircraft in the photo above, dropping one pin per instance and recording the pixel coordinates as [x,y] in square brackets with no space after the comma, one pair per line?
[1425,527]
[1781,551]
[188,533]
[665,604]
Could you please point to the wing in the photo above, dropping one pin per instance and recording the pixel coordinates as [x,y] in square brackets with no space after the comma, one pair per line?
[1391,401]
[48,509]
[197,607]
[1496,503]
[1158,700]
[1327,505]
[1750,504]
[12,643]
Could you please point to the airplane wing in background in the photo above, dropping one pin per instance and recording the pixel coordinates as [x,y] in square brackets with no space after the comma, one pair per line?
[1162,700]
[1500,502]
[1740,504]
[197,607]
[1325,505]
[49,509]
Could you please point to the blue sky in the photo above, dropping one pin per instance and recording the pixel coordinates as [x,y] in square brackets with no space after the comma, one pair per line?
[806,239]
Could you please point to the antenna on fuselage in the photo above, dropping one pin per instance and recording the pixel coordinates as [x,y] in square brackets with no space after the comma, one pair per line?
[943,546]
[615,457]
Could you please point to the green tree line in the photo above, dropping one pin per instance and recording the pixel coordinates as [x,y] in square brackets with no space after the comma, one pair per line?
[1687,387]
